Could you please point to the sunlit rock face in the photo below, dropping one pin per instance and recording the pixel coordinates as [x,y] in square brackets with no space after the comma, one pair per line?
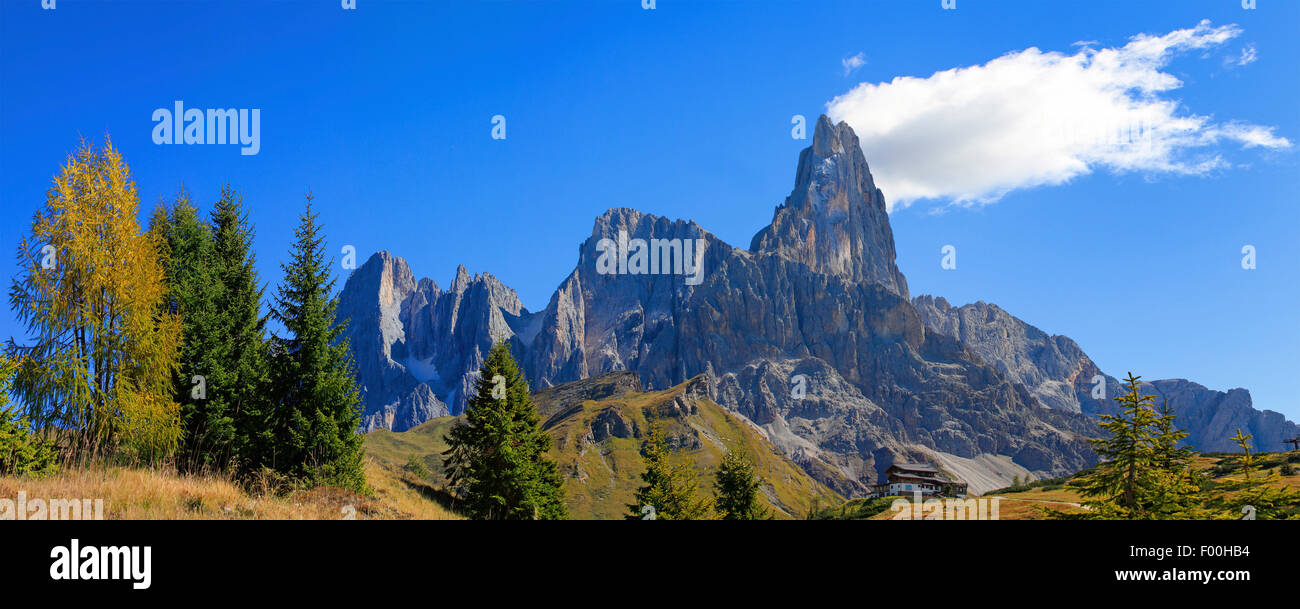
[835,220]
[416,347]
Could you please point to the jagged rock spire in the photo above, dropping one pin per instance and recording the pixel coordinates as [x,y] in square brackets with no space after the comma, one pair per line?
[835,220]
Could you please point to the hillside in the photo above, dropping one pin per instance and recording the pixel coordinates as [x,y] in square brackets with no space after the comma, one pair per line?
[1026,502]
[144,494]
[597,425]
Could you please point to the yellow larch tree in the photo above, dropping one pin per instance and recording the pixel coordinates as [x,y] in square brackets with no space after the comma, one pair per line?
[97,370]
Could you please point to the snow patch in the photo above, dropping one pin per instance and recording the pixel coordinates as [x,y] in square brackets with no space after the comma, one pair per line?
[422,369]
[531,328]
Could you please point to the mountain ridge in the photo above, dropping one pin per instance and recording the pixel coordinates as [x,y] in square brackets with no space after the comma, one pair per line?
[1061,376]
[816,301]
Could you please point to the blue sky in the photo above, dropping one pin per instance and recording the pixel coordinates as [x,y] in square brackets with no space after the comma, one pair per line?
[685,111]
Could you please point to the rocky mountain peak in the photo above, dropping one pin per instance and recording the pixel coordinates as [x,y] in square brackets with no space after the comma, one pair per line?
[416,348]
[835,220]
[385,275]
[427,285]
[830,139]
[462,279]
[372,301]
[641,225]
[373,295]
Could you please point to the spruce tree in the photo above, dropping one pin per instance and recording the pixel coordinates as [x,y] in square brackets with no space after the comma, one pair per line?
[736,487]
[317,414]
[186,246]
[241,329]
[496,458]
[23,451]
[669,490]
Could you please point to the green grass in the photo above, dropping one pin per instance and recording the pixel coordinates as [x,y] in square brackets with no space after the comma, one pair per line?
[856,509]
[601,477]
[424,443]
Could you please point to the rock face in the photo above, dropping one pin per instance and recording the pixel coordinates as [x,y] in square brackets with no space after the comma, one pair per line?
[809,334]
[1213,417]
[835,220]
[1060,375]
[1054,369]
[371,300]
[417,348]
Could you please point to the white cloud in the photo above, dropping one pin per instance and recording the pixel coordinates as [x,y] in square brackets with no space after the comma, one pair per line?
[1030,118]
[1247,57]
[852,63]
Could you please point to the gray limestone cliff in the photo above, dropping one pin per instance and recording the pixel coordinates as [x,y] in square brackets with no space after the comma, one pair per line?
[416,347]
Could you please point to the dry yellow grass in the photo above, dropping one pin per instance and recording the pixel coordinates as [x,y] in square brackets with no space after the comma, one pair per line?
[404,494]
[1058,495]
[143,494]
[1027,507]
[1019,506]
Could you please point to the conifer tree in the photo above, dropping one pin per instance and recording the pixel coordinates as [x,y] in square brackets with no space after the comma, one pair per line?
[317,414]
[1247,460]
[736,487]
[90,291]
[669,490]
[1169,454]
[241,329]
[23,451]
[212,284]
[1115,489]
[496,458]
[1262,496]
[1174,492]
[185,242]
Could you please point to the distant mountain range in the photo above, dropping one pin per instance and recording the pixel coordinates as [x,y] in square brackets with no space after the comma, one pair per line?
[810,334]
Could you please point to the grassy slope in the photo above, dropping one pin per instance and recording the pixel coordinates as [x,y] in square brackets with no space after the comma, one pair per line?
[1021,503]
[600,478]
[424,442]
[141,494]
